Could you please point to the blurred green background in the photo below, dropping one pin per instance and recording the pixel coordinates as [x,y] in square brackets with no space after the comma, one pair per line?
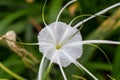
[25,18]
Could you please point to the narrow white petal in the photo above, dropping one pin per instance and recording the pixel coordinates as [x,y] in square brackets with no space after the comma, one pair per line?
[64,8]
[49,66]
[78,64]
[43,12]
[63,59]
[100,42]
[68,56]
[97,14]
[54,57]
[40,69]
[41,65]
[62,71]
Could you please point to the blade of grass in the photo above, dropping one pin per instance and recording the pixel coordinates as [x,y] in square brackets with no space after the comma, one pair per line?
[116,64]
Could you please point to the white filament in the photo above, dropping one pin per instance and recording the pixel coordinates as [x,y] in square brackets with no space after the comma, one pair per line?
[40,68]
[100,42]
[78,64]
[97,14]
[43,18]
[64,8]
[62,11]
[62,71]
[41,65]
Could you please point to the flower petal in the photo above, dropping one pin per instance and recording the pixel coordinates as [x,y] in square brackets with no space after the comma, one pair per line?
[47,34]
[64,35]
[64,8]
[40,68]
[62,71]
[79,65]
[97,14]
[100,42]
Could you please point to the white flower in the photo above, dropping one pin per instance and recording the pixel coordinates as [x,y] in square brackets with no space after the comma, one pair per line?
[57,42]
[62,44]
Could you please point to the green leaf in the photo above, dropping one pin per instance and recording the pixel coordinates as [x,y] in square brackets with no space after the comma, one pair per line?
[116,64]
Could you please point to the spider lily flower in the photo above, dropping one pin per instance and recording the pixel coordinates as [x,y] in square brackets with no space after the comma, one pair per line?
[62,43]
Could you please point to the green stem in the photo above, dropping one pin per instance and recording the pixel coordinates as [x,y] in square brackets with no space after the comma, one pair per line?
[111,77]
[47,72]
[11,73]
[2,37]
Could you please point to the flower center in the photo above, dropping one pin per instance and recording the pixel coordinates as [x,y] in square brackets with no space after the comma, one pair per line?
[58,46]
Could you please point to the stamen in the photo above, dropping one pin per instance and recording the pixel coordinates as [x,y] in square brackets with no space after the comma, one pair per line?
[100,42]
[97,14]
